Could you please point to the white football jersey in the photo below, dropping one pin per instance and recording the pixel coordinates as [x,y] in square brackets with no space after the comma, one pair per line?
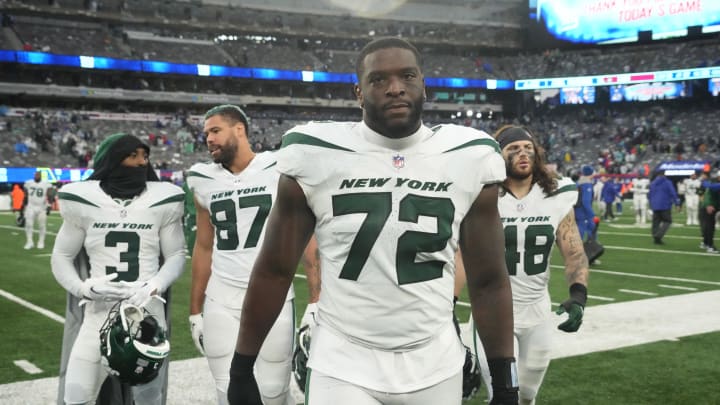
[388,215]
[238,205]
[530,226]
[641,187]
[122,237]
[692,186]
[36,193]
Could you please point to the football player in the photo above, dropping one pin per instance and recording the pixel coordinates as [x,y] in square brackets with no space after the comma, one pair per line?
[126,222]
[641,186]
[390,201]
[233,197]
[692,199]
[537,211]
[35,208]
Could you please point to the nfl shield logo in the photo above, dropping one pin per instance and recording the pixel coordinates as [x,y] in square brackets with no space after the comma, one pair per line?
[398,161]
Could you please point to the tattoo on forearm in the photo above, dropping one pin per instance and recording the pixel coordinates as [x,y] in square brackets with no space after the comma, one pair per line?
[571,247]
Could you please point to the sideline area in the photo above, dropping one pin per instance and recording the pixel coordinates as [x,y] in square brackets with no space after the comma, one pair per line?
[606,327]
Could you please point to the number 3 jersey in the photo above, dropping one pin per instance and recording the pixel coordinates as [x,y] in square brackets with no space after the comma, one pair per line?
[122,237]
[238,205]
[530,224]
[388,213]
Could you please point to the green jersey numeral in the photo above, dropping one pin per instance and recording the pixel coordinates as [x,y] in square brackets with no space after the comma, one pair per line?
[377,207]
[226,232]
[129,256]
[539,240]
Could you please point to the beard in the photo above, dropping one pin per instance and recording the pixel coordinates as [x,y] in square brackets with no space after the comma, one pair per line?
[515,174]
[227,154]
[377,119]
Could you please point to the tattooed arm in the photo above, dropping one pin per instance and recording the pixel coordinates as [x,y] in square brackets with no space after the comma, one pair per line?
[576,273]
[571,248]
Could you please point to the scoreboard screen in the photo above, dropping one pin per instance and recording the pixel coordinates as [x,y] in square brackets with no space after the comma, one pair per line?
[618,21]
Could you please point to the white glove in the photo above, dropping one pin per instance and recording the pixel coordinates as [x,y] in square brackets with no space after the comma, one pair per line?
[309,318]
[103,288]
[141,293]
[196,330]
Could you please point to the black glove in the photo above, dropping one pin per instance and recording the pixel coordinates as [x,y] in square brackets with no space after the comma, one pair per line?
[504,381]
[575,307]
[243,389]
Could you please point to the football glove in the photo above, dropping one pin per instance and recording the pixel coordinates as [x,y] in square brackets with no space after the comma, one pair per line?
[243,388]
[301,355]
[309,318]
[575,307]
[471,375]
[504,381]
[196,330]
[141,292]
[103,288]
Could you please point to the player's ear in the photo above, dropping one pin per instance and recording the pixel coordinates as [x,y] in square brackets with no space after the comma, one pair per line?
[358,95]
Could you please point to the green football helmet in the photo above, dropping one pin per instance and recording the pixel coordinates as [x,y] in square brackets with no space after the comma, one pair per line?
[132,344]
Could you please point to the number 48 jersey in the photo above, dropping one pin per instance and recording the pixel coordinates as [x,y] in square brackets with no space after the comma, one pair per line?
[238,205]
[122,237]
[530,224]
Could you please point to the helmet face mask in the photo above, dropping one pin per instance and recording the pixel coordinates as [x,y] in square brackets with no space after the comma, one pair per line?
[471,375]
[132,344]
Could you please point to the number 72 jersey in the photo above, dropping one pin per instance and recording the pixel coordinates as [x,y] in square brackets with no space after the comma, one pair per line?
[530,224]
[388,214]
[238,205]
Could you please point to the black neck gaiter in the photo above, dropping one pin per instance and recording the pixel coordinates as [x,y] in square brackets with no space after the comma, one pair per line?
[125,182]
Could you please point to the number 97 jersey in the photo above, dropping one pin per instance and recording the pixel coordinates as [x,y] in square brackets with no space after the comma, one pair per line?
[238,205]
[530,224]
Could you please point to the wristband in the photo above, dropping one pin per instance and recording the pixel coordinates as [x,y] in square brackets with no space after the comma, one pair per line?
[578,293]
[504,373]
[242,365]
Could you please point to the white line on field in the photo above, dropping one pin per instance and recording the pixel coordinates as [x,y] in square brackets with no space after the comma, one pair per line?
[647,235]
[617,273]
[16,228]
[30,305]
[677,287]
[27,367]
[597,297]
[651,294]
[674,252]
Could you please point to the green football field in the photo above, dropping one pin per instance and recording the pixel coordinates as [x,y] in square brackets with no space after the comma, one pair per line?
[673,371]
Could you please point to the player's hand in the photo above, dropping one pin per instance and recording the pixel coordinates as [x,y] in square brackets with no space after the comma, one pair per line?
[575,315]
[503,373]
[243,389]
[504,397]
[309,318]
[103,288]
[196,331]
[575,307]
[141,293]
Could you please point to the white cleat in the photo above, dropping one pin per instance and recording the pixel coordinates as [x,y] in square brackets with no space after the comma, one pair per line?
[28,246]
[41,245]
